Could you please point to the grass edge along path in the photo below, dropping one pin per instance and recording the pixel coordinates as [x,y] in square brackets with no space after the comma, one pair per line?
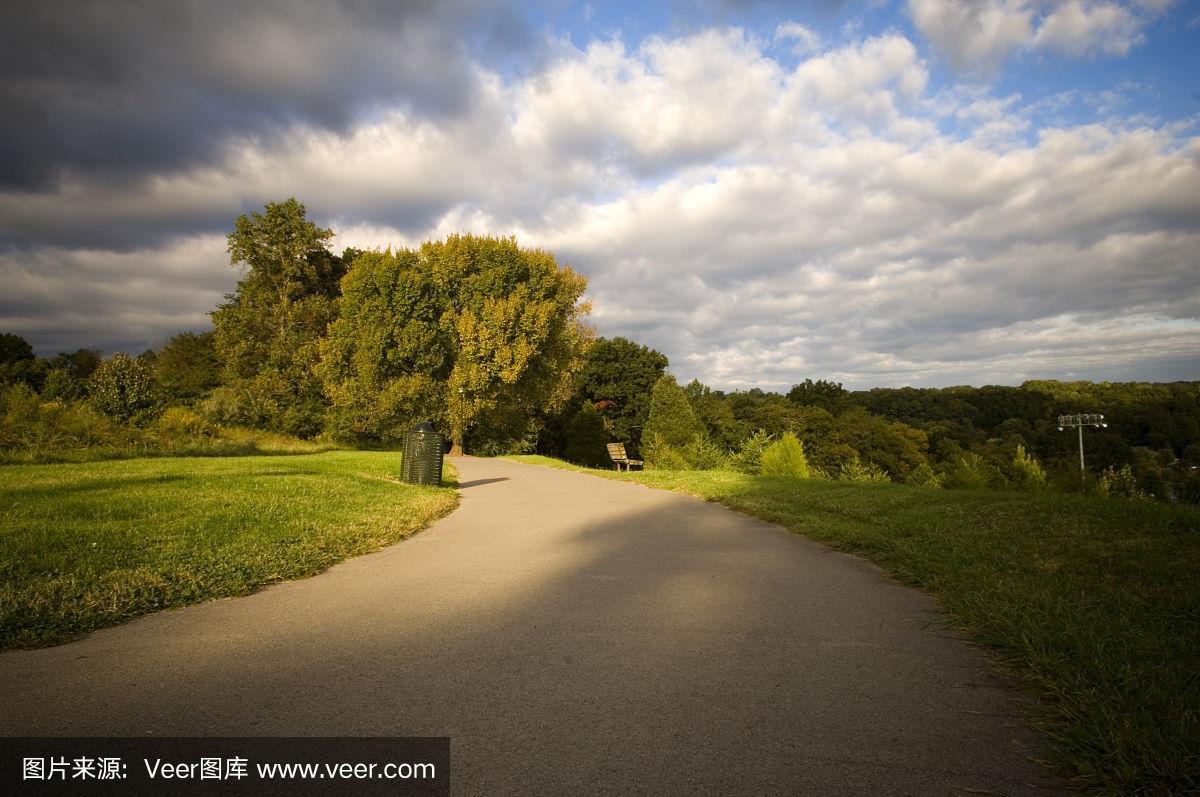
[1092,604]
[89,545]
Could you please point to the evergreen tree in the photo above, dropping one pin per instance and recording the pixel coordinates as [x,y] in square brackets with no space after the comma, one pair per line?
[785,457]
[671,425]
[587,438]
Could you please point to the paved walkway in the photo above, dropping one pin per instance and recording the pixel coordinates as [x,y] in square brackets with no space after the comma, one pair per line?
[573,635]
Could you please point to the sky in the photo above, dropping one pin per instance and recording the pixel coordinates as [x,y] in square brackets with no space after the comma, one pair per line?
[904,192]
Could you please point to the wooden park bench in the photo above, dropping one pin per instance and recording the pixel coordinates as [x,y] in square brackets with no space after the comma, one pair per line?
[619,458]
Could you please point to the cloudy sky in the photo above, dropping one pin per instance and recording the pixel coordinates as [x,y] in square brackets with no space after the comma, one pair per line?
[882,193]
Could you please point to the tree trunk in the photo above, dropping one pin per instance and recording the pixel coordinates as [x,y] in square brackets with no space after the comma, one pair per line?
[456,444]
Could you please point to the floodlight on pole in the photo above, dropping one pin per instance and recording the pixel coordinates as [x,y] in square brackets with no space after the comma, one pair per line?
[1080,421]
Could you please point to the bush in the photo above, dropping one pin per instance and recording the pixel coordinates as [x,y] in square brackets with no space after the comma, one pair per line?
[587,439]
[923,476]
[266,401]
[785,457]
[1119,483]
[125,390]
[660,455]
[749,458]
[32,429]
[180,423]
[703,454]
[855,470]
[971,472]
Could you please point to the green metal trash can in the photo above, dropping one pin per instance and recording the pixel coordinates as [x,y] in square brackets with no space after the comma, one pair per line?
[422,462]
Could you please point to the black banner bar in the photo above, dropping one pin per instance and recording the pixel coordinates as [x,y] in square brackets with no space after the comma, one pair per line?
[203,766]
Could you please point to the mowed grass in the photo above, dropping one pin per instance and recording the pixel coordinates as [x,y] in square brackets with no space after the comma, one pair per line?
[1093,604]
[84,546]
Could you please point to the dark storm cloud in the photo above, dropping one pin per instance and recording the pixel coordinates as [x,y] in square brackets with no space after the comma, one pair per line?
[124,89]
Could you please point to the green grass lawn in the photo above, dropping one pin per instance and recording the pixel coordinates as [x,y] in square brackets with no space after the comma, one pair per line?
[86,545]
[1093,604]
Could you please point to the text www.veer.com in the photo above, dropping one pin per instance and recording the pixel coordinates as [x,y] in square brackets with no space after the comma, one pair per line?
[347,771]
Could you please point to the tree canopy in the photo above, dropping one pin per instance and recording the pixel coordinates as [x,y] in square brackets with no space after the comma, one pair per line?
[187,366]
[266,334]
[452,332]
[617,377]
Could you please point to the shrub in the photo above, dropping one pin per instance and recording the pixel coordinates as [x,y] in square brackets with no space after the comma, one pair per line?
[125,390]
[34,429]
[923,476]
[749,458]
[181,423]
[61,385]
[1119,483]
[785,457]
[855,470]
[660,455]
[703,454]
[971,472]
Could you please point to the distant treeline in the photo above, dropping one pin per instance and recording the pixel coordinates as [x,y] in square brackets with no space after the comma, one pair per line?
[958,437]
[486,339]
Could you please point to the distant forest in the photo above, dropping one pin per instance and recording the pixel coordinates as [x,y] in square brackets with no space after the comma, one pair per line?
[487,340]
[958,437]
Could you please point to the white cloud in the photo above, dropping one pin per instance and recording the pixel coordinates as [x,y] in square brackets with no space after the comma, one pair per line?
[759,224]
[973,35]
[976,37]
[1077,28]
[803,40]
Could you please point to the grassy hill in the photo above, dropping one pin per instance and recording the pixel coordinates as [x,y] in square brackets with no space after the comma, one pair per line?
[85,545]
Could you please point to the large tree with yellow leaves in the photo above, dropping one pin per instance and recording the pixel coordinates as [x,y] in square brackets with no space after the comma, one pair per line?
[452,332]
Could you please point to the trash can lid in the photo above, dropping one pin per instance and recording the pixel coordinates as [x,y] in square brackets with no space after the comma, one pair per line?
[423,426]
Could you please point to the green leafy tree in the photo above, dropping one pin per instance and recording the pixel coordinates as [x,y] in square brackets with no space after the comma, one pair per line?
[68,375]
[785,457]
[18,364]
[386,359]
[714,412]
[513,321]
[187,367]
[827,395]
[453,333]
[618,376]
[125,390]
[79,364]
[14,349]
[266,334]
[895,447]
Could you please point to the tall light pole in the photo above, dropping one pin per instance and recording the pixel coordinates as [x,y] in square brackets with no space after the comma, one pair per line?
[1081,421]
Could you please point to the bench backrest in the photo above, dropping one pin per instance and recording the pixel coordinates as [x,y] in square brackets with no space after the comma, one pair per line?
[617,451]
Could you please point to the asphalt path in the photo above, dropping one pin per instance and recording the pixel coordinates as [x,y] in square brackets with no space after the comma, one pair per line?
[572,635]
